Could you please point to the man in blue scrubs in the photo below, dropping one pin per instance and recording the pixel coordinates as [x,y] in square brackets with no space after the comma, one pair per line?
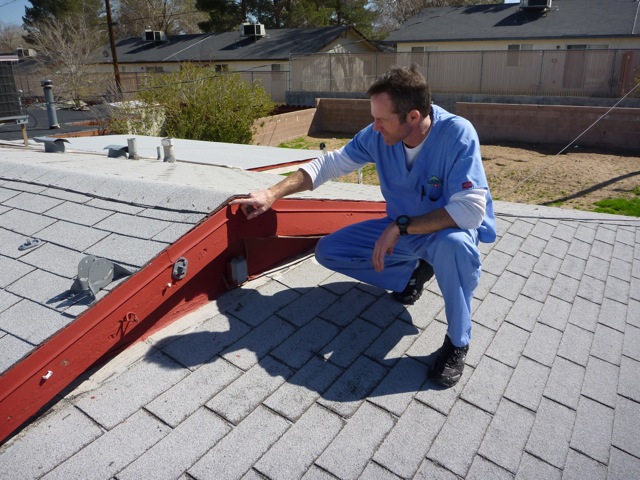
[437,200]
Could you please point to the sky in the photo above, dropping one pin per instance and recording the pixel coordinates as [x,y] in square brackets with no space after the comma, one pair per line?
[11,11]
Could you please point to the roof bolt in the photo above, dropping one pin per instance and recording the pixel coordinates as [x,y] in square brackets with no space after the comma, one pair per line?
[47,376]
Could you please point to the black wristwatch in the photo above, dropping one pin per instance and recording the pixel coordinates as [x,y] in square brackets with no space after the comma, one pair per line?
[403,222]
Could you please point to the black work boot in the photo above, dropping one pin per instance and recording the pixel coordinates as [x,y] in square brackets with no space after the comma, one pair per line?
[421,275]
[449,365]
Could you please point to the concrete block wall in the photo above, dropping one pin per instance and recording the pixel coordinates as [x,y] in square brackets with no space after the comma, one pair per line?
[272,131]
[341,115]
[555,125]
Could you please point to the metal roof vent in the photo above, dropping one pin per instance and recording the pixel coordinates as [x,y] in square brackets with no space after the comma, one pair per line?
[252,30]
[535,5]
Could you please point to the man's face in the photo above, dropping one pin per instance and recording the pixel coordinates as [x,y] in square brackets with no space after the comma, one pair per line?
[386,121]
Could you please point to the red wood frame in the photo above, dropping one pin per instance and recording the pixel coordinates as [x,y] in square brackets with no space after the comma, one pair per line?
[150,299]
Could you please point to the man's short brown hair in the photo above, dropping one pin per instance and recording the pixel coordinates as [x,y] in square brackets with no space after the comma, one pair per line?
[407,88]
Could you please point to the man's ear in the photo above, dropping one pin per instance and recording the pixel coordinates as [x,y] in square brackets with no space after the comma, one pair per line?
[413,116]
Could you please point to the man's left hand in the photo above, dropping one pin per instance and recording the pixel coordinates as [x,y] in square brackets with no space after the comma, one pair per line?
[384,245]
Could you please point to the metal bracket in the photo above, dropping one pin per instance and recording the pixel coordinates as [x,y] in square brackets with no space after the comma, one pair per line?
[180,268]
[96,273]
[30,243]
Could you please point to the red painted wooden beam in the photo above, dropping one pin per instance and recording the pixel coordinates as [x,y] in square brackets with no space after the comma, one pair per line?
[151,298]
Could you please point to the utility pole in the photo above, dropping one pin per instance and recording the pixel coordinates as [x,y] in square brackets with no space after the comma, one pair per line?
[112,42]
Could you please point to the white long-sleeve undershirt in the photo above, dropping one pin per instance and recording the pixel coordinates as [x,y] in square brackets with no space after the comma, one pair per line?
[466,208]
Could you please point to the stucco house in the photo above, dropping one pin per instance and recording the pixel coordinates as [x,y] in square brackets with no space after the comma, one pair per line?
[527,25]
[252,49]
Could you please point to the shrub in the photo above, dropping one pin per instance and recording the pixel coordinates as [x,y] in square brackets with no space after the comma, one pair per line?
[198,104]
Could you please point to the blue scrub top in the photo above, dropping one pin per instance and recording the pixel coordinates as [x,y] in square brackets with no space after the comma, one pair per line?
[449,162]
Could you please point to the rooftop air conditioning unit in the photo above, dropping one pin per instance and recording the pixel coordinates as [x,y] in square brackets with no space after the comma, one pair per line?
[154,36]
[535,4]
[252,30]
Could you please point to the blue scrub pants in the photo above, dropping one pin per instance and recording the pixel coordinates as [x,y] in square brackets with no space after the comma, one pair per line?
[452,252]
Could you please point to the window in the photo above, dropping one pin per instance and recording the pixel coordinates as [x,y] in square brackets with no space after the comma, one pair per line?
[275,67]
[222,68]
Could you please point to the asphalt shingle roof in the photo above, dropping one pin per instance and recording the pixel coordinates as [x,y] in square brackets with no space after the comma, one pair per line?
[566,19]
[306,373]
[277,44]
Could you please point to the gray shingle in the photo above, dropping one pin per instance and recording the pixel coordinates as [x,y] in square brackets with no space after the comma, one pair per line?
[623,466]
[602,250]
[487,384]
[41,287]
[234,455]
[249,349]
[242,396]
[179,449]
[440,399]
[532,468]
[294,397]
[573,267]
[32,322]
[392,344]
[173,232]
[522,264]
[75,213]
[508,344]
[54,259]
[429,470]
[33,457]
[132,226]
[350,343]
[396,391]
[255,307]
[597,268]
[584,314]
[537,287]
[126,250]
[12,349]
[509,286]
[507,435]
[551,433]
[482,469]
[565,231]
[564,287]
[410,439]
[115,206]
[601,381]
[73,236]
[613,314]
[581,467]
[347,456]
[448,450]
[349,305]
[580,249]
[24,224]
[607,344]
[348,392]
[314,431]
[565,383]
[202,344]
[32,202]
[304,343]
[629,375]
[139,433]
[544,229]
[524,313]
[557,248]
[548,265]
[593,429]
[496,262]
[386,309]
[527,383]
[307,306]
[533,246]
[306,276]
[492,311]
[621,268]
[617,289]
[115,400]
[509,244]
[555,313]
[185,397]
[631,347]
[543,344]
[10,271]
[576,344]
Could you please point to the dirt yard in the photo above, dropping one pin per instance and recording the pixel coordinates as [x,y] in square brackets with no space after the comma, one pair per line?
[536,175]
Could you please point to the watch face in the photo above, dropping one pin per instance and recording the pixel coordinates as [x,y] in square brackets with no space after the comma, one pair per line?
[402,220]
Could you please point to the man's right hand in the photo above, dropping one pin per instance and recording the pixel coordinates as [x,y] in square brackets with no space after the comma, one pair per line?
[256,203]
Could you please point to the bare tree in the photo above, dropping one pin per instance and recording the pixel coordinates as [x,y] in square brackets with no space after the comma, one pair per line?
[65,50]
[171,16]
[11,37]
